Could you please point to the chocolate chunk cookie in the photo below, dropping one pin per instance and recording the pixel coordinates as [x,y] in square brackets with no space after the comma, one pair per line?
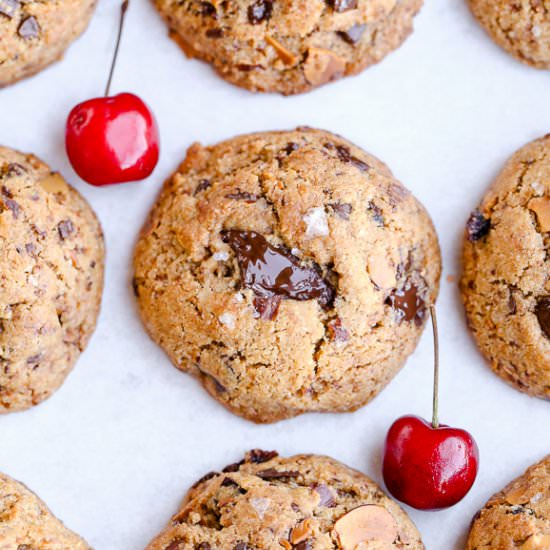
[34,33]
[51,277]
[288,46]
[27,524]
[290,271]
[305,502]
[506,279]
[518,517]
[520,27]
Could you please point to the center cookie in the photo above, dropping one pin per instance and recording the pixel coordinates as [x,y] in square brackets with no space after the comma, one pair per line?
[289,271]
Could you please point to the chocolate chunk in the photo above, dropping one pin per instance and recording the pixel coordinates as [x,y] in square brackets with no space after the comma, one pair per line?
[29,28]
[228,482]
[204,546]
[342,5]
[478,226]
[327,497]
[512,304]
[204,478]
[14,207]
[34,360]
[178,544]
[260,11]
[344,154]
[214,33]
[542,311]
[6,192]
[342,209]
[208,10]
[407,303]
[267,308]
[15,169]
[337,332]
[233,467]
[8,7]
[376,214]
[291,147]
[272,271]
[246,68]
[353,34]
[271,473]
[240,195]
[257,456]
[304,545]
[202,186]
[65,229]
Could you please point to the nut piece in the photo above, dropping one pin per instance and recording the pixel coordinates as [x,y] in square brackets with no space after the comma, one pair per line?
[322,66]
[54,183]
[541,207]
[301,532]
[380,271]
[363,524]
[286,56]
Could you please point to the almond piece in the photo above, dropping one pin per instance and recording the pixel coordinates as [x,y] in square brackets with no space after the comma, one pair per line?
[322,66]
[286,56]
[301,532]
[285,544]
[54,183]
[536,542]
[381,272]
[365,523]
[541,207]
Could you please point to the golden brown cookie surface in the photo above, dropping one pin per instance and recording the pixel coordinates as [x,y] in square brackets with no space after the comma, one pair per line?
[331,297]
[518,517]
[288,46]
[506,279]
[27,524]
[304,502]
[35,33]
[520,27]
[51,278]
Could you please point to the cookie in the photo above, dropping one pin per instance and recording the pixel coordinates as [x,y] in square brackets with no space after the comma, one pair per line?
[506,279]
[27,524]
[51,277]
[34,34]
[289,46]
[521,28]
[304,502]
[289,271]
[518,517]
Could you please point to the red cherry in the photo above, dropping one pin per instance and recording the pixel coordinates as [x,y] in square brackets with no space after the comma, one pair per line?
[112,139]
[429,468]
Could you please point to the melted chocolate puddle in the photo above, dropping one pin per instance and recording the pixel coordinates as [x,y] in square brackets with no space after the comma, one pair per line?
[408,304]
[274,274]
[542,312]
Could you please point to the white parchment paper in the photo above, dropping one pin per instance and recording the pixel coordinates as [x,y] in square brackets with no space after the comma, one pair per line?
[113,452]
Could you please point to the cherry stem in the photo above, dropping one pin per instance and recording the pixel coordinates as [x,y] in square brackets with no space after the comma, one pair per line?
[123,10]
[435,416]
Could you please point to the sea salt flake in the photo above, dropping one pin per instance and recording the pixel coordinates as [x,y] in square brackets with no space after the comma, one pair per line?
[296,252]
[221,256]
[261,505]
[537,187]
[227,319]
[316,222]
[536,31]
[239,298]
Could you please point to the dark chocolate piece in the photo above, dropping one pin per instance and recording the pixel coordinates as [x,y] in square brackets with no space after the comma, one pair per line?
[542,311]
[260,11]
[407,302]
[478,226]
[29,28]
[353,34]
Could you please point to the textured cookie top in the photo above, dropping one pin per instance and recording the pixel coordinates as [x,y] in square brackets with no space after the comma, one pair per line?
[288,46]
[522,28]
[289,270]
[27,524]
[51,276]
[304,502]
[34,33]
[519,516]
[506,279]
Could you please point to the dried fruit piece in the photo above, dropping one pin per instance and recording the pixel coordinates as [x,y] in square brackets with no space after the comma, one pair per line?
[541,207]
[323,66]
[365,523]
[29,28]
[286,56]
